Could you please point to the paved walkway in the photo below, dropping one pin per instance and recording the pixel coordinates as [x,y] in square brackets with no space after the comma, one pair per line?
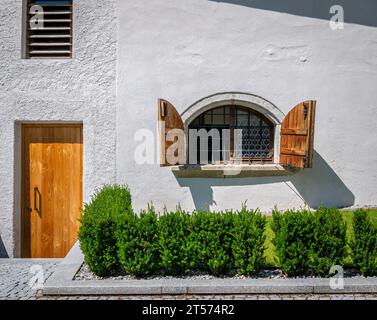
[217,297]
[19,279]
[16,276]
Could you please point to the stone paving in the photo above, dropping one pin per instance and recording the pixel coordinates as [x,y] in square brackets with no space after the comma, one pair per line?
[16,275]
[217,297]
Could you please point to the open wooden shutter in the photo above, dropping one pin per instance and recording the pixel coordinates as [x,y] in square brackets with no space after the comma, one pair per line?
[169,120]
[297,136]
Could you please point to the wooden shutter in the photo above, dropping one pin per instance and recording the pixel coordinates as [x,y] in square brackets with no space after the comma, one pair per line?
[168,120]
[53,39]
[297,136]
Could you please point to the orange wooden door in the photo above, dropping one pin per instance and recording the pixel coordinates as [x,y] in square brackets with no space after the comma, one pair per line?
[51,189]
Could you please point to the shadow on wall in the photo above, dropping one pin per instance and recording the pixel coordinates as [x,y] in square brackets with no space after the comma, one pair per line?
[3,251]
[360,12]
[317,186]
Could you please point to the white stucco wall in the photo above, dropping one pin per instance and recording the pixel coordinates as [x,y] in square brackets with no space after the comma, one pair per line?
[186,50]
[82,89]
[183,51]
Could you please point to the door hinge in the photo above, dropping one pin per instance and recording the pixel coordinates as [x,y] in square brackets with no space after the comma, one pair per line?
[306,111]
[164,110]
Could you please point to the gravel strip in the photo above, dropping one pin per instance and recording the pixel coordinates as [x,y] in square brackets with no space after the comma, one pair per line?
[84,274]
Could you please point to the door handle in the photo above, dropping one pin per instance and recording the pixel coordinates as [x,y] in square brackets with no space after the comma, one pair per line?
[38,208]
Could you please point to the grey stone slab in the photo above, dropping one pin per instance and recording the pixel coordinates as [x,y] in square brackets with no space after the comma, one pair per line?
[174,290]
[352,285]
[251,287]
[217,287]
[85,288]
[74,256]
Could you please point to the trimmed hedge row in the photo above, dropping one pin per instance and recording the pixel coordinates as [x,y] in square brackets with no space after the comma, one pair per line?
[113,239]
[177,242]
[309,243]
[364,244]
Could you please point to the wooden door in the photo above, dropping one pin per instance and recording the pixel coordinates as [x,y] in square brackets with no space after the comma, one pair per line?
[297,136]
[51,189]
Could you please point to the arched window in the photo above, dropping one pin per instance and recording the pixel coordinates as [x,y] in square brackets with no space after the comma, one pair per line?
[250,134]
[257,132]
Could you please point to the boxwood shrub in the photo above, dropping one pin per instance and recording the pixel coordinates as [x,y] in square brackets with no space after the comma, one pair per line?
[309,243]
[213,242]
[330,243]
[364,244]
[113,238]
[173,232]
[210,241]
[97,232]
[293,240]
[137,243]
[248,241]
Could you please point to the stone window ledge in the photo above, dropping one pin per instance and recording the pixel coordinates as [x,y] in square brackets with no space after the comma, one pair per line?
[231,171]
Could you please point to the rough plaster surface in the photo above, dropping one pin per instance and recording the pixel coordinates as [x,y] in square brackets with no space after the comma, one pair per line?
[82,89]
[184,51]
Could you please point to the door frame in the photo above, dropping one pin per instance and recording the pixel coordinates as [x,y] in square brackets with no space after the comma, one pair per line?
[20,164]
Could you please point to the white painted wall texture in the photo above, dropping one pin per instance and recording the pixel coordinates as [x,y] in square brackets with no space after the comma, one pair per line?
[82,89]
[283,51]
[128,53]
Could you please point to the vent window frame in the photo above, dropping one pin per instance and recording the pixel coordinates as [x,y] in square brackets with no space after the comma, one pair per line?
[54,39]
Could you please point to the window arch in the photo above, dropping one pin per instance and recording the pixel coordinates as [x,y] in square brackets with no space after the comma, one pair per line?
[257,103]
[250,135]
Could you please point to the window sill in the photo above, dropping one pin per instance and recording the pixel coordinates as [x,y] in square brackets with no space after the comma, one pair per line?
[231,171]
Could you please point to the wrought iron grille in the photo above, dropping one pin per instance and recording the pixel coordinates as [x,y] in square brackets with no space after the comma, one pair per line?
[255,137]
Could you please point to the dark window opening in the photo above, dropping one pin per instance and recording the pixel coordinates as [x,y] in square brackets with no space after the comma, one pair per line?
[250,138]
[48,29]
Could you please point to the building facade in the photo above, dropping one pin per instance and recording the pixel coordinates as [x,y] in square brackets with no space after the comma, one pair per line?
[198,55]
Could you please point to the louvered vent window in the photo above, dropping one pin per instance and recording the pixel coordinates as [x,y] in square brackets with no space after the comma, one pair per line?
[49,29]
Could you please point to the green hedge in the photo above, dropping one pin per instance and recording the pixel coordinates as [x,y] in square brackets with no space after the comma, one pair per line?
[98,228]
[364,244]
[249,239]
[309,243]
[293,232]
[137,245]
[211,240]
[113,239]
[330,241]
[173,244]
